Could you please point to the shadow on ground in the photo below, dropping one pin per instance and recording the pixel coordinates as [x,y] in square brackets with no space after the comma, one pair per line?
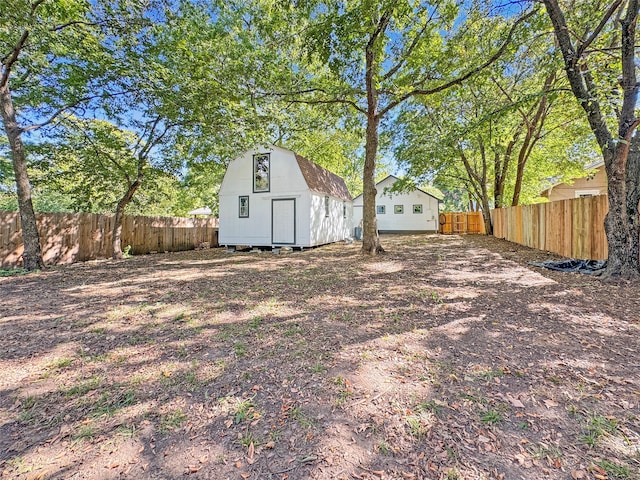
[446,357]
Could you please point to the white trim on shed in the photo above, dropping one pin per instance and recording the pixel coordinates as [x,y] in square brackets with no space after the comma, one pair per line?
[288,207]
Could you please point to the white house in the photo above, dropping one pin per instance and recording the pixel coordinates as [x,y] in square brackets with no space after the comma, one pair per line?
[274,197]
[413,211]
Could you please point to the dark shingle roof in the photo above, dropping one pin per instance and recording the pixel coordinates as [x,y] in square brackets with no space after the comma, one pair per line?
[321,180]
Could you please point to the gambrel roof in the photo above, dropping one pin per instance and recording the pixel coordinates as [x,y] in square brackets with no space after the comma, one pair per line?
[321,180]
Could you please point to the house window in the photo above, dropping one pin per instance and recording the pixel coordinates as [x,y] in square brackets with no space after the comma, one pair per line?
[587,193]
[398,209]
[417,208]
[326,206]
[381,209]
[344,209]
[261,172]
[243,207]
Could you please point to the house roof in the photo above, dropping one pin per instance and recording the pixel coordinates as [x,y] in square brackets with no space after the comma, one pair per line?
[394,180]
[200,211]
[322,180]
[556,181]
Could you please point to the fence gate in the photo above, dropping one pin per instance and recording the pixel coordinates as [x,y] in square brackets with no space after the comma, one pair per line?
[460,223]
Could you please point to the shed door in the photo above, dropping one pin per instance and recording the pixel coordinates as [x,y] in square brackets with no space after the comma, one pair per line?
[283,221]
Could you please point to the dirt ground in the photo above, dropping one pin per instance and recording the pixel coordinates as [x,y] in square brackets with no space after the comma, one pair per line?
[445,358]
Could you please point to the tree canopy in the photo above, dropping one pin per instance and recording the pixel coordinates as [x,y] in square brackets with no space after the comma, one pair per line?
[139,105]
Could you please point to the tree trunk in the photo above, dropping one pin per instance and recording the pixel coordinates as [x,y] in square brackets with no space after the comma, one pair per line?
[622,223]
[117,223]
[621,220]
[32,256]
[370,239]
[633,200]
[486,211]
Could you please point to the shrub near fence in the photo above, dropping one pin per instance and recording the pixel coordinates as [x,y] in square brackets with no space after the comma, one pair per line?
[72,237]
[573,228]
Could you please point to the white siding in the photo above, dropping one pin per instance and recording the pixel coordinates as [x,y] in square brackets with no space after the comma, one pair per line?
[406,221]
[312,226]
[333,228]
[286,182]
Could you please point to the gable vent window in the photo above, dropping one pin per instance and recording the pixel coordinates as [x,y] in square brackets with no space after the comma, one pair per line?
[261,173]
[326,206]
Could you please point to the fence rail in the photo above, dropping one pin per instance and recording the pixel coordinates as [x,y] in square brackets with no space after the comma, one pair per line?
[573,228]
[457,223]
[72,237]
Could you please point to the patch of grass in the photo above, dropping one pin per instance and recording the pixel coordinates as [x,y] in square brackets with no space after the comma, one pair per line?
[292,330]
[615,471]
[29,409]
[595,427]
[491,373]
[255,323]
[479,399]
[436,298]
[491,417]
[428,406]
[127,431]
[420,423]
[85,387]
[59,363]
[247,439]
[172,420]
[453,474]
[383,447]
[15,271]
[85,431]
[304,420]
[245,410]
[240,349]
[108,403]
[345,391]
[318,368]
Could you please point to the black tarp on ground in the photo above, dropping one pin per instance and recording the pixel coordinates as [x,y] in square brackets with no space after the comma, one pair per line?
[588,267]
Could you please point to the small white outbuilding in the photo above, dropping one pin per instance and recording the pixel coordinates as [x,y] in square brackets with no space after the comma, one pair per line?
[274,197]
[397,212]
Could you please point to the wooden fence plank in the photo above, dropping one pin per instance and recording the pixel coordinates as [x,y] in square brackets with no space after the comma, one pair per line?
[572,228]
[68,237]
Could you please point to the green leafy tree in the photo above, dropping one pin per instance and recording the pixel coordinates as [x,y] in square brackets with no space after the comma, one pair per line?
[598,45]
[373,56]
[55,57]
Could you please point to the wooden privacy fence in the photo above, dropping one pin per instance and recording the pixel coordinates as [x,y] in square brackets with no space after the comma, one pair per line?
[461,222]
[72,237]
[573,228]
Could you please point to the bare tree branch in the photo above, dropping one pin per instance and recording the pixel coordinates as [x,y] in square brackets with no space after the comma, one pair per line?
[583,45]
[12,58]
[460,79]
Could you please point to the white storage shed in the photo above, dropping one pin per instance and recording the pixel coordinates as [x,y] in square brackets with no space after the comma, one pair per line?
[274,197]
[402,212]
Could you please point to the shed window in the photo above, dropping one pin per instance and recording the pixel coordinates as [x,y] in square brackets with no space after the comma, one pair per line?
[344,209]
[417,208]
[261,172]
[243,207]
[326,206]
[398,209]
[381,209]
